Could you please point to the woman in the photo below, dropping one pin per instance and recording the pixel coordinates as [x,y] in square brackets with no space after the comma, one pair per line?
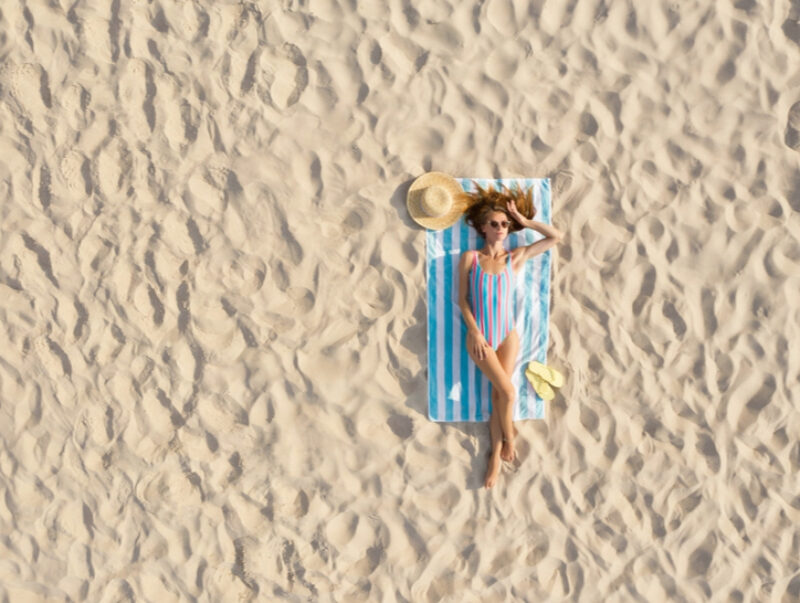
[485,295]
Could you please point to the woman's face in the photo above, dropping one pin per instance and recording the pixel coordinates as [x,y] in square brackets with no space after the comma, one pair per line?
[496,226]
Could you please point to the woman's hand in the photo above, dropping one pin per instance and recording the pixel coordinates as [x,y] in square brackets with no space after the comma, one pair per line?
[478,344]
[512,209]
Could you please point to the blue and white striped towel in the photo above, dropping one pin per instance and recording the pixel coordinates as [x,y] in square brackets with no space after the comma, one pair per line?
[457,390]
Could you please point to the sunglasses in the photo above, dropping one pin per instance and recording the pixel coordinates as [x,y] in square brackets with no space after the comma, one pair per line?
[503,224]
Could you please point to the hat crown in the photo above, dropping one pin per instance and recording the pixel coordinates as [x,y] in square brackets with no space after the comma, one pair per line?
[436,201]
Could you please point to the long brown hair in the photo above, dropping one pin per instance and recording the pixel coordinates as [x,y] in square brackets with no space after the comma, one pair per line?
[485,201]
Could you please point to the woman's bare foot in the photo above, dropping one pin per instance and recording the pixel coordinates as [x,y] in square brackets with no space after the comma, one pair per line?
[508,452]
[492,470]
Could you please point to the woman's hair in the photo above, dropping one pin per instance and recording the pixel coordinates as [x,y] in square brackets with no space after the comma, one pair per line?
[485,201]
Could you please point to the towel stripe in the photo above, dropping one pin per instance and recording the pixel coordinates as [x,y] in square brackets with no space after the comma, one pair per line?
[447,240]
[433,350]
[472,380]
[531,293]
[545,268]
[441,303]
[456,393]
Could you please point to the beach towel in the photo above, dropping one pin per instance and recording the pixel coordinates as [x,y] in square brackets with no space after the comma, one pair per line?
[457,390]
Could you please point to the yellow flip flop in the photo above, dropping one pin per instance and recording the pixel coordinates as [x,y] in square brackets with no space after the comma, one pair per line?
[551,375]
[540,386]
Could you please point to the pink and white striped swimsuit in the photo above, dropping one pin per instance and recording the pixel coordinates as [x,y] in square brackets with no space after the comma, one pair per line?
[492,297]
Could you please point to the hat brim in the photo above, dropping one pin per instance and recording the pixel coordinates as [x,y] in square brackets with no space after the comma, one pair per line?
[460,200]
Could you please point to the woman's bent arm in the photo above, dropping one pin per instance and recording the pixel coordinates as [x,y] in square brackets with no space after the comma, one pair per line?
[548,231]
[475,340]
[552,236]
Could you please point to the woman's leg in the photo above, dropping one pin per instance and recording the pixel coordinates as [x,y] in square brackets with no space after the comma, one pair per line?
[502,398]
[507,355]
[496,436]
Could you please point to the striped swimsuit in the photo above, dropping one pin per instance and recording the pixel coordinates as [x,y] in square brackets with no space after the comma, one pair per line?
[492,301]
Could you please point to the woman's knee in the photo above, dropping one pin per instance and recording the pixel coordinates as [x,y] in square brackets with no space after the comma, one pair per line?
[506,391]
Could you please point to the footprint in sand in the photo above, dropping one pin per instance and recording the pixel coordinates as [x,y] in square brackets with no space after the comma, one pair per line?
[244,275]
[113,168]
[206,188]
[50,356]
[138,89]
[142,82]
[341,530]
[180,119]
[374,294]
[167,489]
[99,38]
[92,427]
[159,415]
[219,412]
[289,76]
[180,235]
[29,86]
[195,22]
[61,189]
[33,344]
[74,103]
[224,179]
[74,168]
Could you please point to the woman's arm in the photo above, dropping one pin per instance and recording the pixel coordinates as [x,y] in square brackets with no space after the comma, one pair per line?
[463,283]
[475,341]
[552,236]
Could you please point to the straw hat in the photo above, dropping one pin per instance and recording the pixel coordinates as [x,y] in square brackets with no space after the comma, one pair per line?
[436,200]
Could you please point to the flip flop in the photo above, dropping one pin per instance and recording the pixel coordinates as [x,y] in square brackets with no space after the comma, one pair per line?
[551,375]
[540,386]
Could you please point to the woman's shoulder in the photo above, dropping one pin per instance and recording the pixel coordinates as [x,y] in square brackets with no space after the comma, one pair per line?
[467,257]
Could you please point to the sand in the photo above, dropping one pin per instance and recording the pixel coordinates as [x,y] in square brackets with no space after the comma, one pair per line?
[213,366]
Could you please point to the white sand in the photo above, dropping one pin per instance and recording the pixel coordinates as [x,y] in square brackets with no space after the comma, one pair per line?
[212,381]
